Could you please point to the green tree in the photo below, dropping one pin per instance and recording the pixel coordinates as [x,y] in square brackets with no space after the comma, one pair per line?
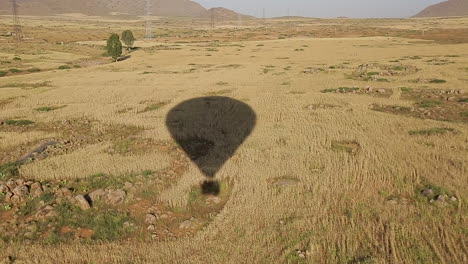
[128,38]
[114,46]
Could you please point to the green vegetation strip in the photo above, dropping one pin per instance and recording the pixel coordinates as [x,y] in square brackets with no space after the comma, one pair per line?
[431,131]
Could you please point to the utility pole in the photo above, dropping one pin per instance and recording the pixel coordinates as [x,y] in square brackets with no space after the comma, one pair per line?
[149,25]
[212,18]
[16,22]
[264,16]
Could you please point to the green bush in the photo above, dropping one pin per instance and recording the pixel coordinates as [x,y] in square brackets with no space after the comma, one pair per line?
[9,170]
[15,70]
[64,67]
[13,122]
[428,103]
[437,81]
[431,131]
[3,73]
[34,70]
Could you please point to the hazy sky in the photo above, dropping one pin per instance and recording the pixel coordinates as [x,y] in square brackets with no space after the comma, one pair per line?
[324,8]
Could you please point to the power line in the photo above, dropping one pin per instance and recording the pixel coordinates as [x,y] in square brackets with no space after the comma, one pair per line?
[212,18]
[16,22]
[149,24]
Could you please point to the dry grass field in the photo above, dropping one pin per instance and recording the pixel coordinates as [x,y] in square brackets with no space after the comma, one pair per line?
[359,154]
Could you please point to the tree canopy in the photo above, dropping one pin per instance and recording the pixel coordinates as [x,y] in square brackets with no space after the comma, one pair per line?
[128,38]
[114,46]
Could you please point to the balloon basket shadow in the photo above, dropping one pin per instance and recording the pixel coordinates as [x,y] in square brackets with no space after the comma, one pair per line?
[210,187]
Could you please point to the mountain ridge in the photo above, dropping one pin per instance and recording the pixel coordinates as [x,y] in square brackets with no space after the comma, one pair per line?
[446,8]
[182,8]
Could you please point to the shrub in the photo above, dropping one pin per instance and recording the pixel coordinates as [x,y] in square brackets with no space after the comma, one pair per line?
[431,131]
[437,81]
[34,70]
[64,67]
[15,71]
[428,103]
[9,170]
[12,122]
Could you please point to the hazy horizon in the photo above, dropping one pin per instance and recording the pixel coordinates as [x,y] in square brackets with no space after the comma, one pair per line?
[324,8]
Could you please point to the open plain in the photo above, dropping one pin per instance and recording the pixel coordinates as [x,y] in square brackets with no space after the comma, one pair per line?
[359,153]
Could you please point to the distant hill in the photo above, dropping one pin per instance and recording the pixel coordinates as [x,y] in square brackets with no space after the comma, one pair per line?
[223,14]
[184,8]
[447,8]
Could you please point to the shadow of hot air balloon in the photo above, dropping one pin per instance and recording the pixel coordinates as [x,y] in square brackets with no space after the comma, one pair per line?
[209,130]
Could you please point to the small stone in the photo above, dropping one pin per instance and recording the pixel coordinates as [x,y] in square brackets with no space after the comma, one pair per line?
[8,196]
[128,185]
[151,228]
[97,195]
[15,199]
[154,236]
[21,191]
[164,216]
[29,235]
[65,192]
[4,189]
[441,198]
[116,197]
[19,182]
[35,186]
[429,193]
[381,91]
[37,192]
[151,218]
[82,202]
[368,89]
[11,184]
[461,92]
[453,199]
[213,200]
[185,225]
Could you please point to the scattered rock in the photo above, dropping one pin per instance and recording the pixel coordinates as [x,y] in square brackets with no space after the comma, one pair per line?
[21,191]
[381,91]
[115,197]
[185,225]
[11,184]
[4,189]
[46,212]
[151,218]
[64,192]
[164,216]
[29,235]
[97,195]
[82,202]
[441,198]
[213,200]
[151,228]
[8,196]
[429,193]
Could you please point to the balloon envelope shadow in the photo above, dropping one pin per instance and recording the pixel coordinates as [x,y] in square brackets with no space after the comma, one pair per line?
[209,130]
